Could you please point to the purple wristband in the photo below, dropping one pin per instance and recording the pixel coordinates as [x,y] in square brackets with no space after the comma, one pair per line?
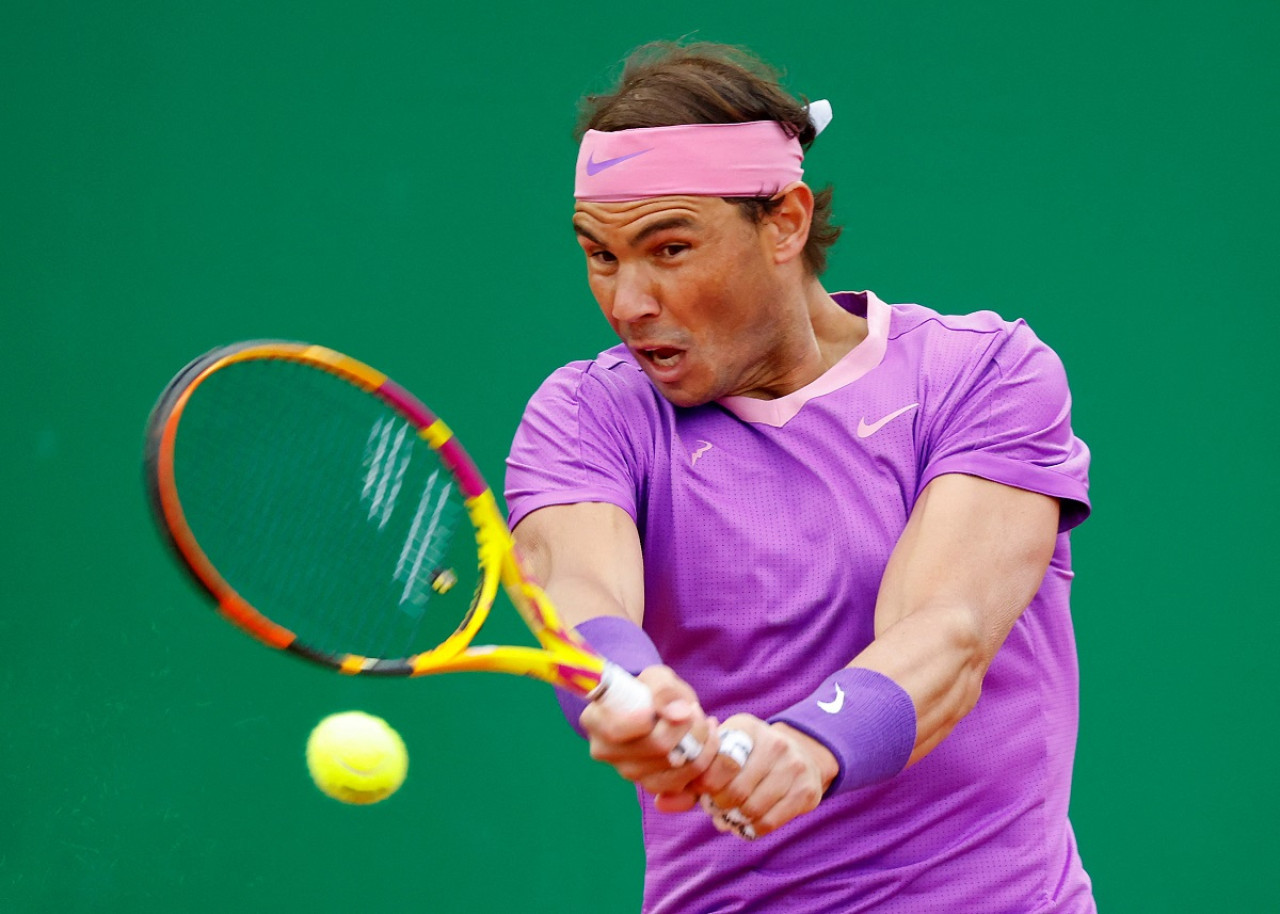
[621,641]
[866,719]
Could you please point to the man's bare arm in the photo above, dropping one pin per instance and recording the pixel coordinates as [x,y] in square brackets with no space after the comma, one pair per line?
[587,557]
[971,558]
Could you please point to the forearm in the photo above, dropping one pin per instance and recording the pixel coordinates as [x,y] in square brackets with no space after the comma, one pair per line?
[968,563]
[970,560]
[939,658]
[895,702]
[587,558]
[579,597]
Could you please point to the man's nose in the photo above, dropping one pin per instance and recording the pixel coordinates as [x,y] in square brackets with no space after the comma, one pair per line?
[634,296]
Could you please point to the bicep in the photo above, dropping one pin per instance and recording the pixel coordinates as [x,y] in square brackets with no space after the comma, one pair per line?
[587,556]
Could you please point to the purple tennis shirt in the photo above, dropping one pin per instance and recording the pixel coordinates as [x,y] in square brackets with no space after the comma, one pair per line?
[766,527]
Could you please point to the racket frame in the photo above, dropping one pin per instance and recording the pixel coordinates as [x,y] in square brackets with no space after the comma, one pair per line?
[563,659]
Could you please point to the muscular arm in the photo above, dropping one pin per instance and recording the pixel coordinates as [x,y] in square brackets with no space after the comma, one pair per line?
[971,558]
[587,557]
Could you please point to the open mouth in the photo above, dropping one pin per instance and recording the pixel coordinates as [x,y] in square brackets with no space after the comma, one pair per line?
[663,356]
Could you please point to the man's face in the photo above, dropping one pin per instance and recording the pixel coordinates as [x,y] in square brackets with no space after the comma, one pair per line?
[691,287]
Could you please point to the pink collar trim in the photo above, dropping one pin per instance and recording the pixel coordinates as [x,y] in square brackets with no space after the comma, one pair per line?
[860,360]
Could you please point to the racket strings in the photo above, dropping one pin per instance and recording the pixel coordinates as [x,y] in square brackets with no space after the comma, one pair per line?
[323,508]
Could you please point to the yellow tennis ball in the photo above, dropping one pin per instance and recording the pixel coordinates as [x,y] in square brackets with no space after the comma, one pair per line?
[356,757]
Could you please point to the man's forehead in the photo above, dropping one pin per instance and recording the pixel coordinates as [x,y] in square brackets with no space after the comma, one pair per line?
[635,214]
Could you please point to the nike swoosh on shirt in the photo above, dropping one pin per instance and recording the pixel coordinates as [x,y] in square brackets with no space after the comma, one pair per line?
[866,430]
[594,167]
[834,705]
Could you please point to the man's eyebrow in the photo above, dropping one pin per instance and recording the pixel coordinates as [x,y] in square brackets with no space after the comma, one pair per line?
[661,226]
[585,234]
[648,231]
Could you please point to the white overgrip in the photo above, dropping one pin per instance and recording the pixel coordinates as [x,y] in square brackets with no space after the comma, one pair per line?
[620,691]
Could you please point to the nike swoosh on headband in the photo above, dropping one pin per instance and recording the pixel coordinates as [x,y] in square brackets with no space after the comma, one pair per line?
[594,167]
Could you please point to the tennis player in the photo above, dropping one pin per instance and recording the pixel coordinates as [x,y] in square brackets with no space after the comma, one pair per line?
[835,525]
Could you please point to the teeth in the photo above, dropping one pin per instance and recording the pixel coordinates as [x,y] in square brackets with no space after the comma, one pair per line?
[664,361]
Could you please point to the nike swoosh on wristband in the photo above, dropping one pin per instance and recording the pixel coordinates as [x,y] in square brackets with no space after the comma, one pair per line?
[866,430]
[594,167]
[834,705]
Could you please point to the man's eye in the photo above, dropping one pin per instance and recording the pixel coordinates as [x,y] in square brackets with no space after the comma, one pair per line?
[671,250]
[602,256]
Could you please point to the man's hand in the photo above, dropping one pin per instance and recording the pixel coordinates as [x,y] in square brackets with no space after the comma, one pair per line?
[637,743]
[785,776]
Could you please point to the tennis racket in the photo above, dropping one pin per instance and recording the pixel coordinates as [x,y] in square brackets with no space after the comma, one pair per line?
[322,507]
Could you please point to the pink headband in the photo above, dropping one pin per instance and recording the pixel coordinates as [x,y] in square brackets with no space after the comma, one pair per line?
[755,159]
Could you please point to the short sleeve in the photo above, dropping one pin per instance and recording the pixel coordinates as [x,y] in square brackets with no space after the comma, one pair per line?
[1012,424]
[574,444]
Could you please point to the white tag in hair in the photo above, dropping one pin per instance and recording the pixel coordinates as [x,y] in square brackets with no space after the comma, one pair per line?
[820,114]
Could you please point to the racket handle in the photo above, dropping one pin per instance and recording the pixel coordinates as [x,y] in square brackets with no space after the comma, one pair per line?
[620,691]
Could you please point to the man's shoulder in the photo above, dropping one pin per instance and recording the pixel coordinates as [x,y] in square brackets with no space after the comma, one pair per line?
[910,318]
[613,368]
[982,334]
[611,379]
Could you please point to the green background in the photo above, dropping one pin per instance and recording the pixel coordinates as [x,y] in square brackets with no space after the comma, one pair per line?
[393,179]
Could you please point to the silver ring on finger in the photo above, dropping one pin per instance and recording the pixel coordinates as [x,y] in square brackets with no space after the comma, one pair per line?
[737,745]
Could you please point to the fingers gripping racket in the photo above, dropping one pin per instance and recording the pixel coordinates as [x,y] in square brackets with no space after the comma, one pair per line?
[322,508]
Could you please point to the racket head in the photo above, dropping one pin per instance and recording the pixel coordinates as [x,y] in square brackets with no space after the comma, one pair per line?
[327,512]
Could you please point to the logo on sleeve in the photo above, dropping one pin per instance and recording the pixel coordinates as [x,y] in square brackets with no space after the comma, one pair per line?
[867,429]
[834,705]
[703,447]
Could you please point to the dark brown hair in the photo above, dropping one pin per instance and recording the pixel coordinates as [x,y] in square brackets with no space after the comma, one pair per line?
[664,84]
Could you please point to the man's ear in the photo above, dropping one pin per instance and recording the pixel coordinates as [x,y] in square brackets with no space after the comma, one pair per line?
[789,223]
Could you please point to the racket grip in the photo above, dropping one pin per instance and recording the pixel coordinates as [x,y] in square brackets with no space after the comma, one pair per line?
[620,691]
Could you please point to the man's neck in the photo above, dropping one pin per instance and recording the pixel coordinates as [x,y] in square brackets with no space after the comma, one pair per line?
[835,331]
[822,333]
